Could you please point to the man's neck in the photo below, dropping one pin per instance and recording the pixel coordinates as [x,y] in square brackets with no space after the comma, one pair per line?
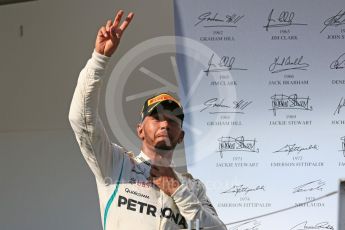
[158,155]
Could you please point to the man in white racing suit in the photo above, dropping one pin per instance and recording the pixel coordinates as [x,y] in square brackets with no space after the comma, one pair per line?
[136,192]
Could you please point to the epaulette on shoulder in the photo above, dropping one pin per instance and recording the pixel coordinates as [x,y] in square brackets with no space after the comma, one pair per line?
[187,175]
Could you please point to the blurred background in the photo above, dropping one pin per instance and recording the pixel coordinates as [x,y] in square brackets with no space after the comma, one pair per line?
[44,181]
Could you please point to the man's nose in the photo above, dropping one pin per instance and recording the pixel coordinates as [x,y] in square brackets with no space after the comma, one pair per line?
[164,124]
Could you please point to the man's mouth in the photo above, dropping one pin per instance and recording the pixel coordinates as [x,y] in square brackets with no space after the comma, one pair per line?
[162,135]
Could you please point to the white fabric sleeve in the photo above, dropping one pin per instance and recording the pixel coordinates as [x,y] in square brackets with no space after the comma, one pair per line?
[193,206]
[92,138]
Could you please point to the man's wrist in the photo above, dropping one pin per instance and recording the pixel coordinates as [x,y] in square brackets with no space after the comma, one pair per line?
[99,60]
[177,190]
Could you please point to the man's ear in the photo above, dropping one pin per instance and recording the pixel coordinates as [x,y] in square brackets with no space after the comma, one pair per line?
[180,139]
[140,131]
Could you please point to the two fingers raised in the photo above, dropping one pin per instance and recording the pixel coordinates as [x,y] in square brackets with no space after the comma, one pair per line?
[113,28]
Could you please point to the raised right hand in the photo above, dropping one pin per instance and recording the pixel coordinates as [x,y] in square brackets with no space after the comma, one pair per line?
[109,36]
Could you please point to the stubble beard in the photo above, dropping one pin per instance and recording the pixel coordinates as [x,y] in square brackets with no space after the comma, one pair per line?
[165,145]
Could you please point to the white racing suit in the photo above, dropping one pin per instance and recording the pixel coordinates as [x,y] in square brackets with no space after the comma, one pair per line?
[128,200]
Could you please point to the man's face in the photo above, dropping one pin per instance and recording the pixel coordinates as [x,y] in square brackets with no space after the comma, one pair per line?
[161,130]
